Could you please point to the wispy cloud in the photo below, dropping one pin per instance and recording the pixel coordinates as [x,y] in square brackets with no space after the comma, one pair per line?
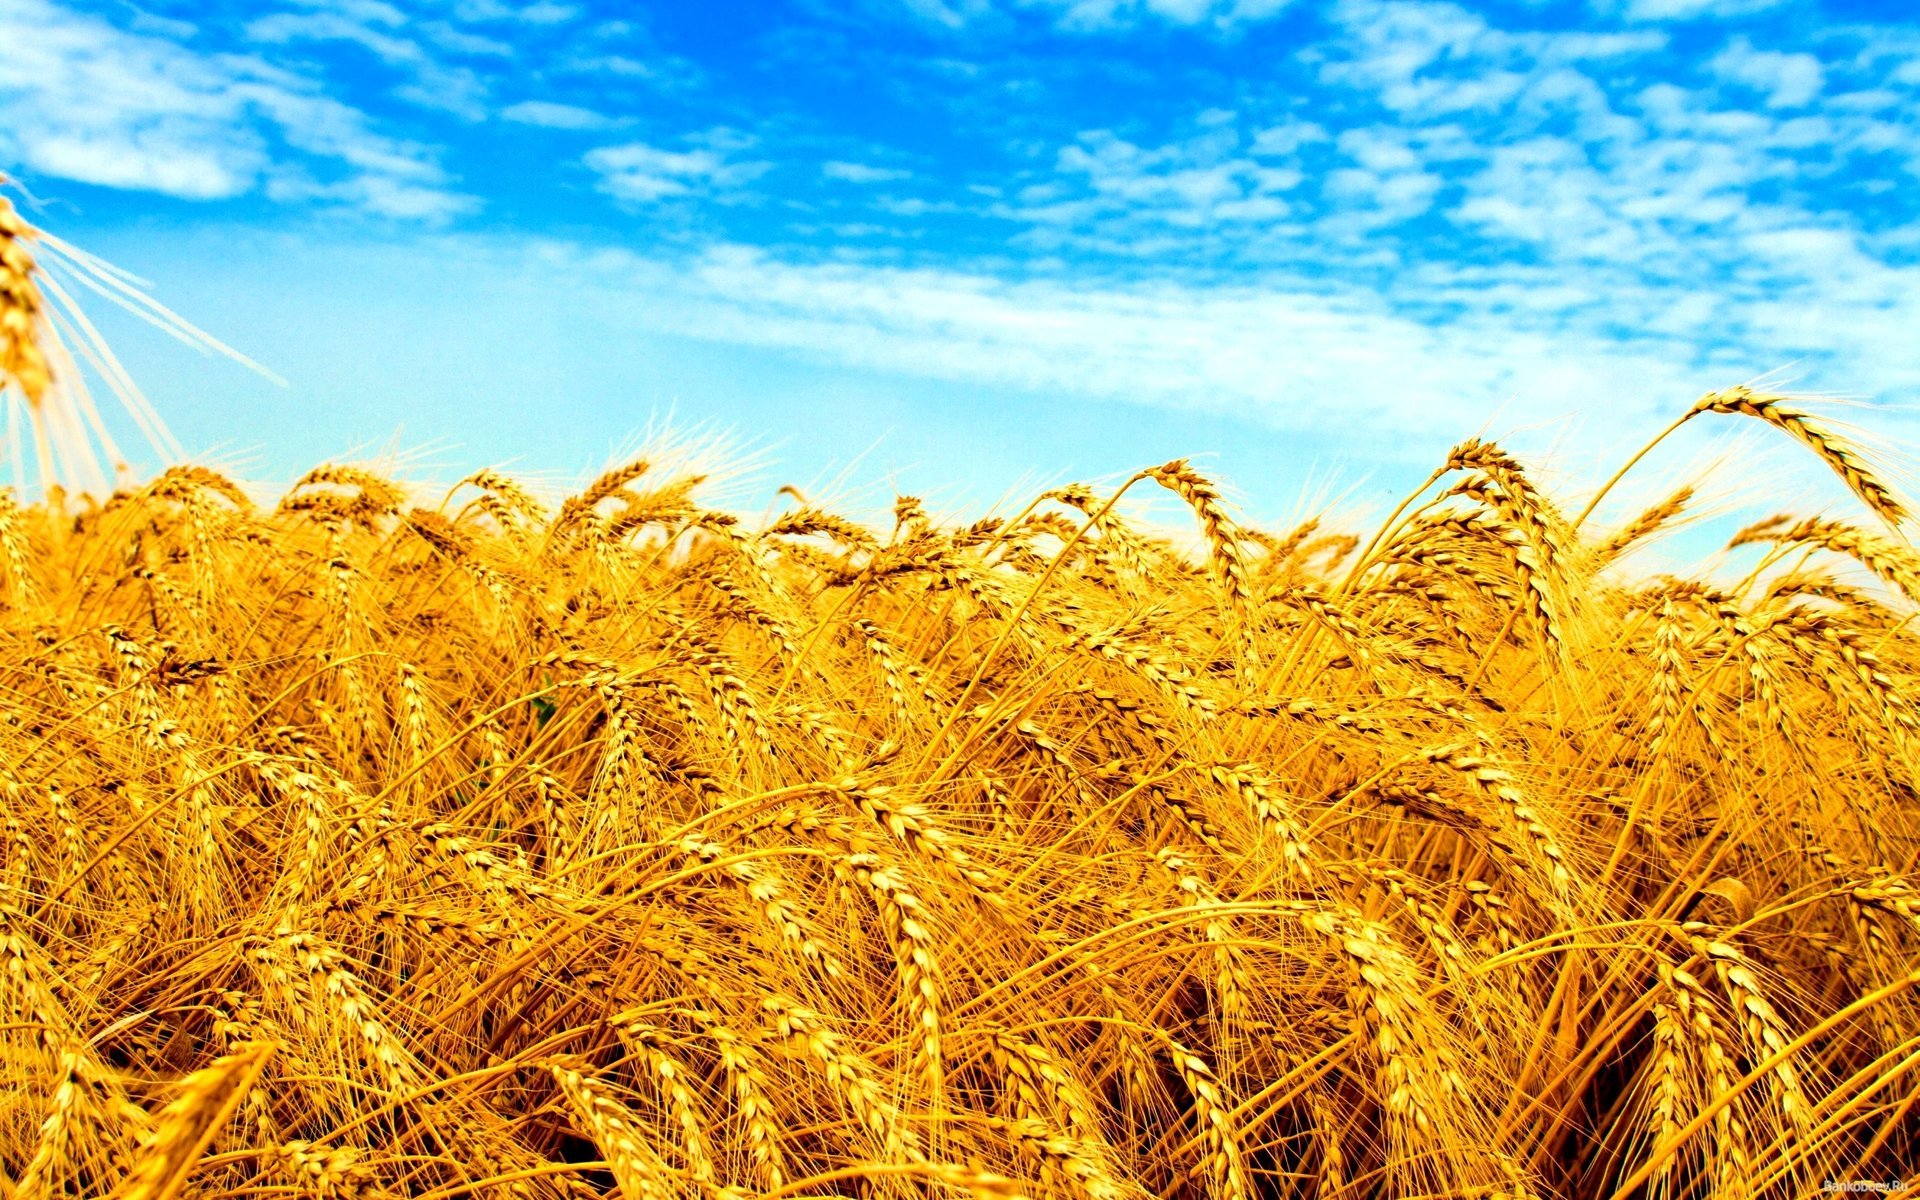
[1097,16]
[626,51]
[1298,351]
[540,12]
[641,174]
[1114,14]
[389,35]
[1688,10]
[1105,190]
[1785,80]
[85,100]
[1300,357]
[549,115]
[853,172]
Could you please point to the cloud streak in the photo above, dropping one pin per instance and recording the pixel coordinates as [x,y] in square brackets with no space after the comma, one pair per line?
[640,174]
[1291,357]
[81,99]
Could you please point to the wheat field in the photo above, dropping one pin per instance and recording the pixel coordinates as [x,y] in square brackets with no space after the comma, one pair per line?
[384,843]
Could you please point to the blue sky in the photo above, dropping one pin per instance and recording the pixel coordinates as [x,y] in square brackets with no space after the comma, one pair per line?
[959,245]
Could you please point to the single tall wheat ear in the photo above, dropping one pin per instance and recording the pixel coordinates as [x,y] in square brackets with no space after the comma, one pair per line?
[74,447]
[1845,460]
[1781,413]
[23,361]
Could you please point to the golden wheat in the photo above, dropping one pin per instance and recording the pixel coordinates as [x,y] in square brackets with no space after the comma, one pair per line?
[613,841]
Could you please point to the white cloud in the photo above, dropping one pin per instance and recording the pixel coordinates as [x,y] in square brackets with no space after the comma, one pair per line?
[136,160]
[1106,188]
[853,172]
[141,21]
[550,115]
[662,71]
[1388,182]
[1787,80]
[623,50]
[81,99]
[913,206]
[1112,14]
[1398,49]
[383,30]
[1087,16]
[1428,58]
[641,174]
[541,12]
[383,195]
[1689,10]
[460,41]
[1286,139]
[1374,198]
[1293,353]
[1538,191]
[952,16]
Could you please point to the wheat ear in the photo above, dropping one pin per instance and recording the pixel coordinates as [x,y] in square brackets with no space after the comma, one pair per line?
[22,309]
[1843,458]
[638,1170]
[188,1124]
[1225,554]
